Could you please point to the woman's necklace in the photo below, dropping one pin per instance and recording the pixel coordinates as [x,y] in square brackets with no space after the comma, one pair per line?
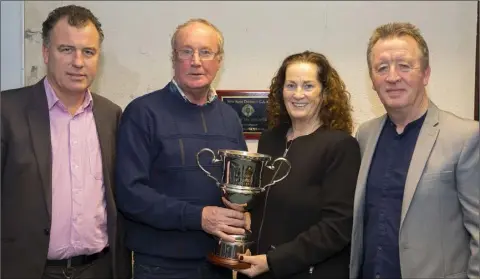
[290,133]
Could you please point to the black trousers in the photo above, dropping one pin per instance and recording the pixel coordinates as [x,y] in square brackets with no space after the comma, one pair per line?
[98,269]
[200,270]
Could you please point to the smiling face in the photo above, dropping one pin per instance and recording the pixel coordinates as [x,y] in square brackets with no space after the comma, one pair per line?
[195,75]
[397,74]
[72,57]
[302,92]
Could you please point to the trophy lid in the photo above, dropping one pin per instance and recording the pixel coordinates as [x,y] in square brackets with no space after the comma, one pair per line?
[244,154]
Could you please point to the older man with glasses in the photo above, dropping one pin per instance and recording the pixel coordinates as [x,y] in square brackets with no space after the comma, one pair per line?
[173,208]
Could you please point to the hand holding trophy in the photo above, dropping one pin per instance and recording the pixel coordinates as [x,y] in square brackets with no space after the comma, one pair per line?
[241,181]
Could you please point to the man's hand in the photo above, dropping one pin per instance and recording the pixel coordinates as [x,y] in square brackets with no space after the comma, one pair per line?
[222,222]
[234,206]
[248,221]
[240,208]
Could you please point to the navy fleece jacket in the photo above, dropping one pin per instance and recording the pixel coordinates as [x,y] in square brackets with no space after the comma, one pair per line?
[159,186]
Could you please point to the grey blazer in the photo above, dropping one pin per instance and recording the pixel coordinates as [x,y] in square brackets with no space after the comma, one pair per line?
[26,189]
[439,228]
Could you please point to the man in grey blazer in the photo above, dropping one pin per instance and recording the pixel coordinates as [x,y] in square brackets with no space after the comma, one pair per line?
[416,210]
[58,214]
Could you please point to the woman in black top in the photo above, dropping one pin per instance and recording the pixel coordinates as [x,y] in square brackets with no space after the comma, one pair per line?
[302,225]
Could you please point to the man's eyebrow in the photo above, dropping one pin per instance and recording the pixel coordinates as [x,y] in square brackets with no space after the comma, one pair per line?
[70,46]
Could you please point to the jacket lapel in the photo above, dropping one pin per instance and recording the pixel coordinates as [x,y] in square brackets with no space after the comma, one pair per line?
[423,148]
[368,149]
[367,155]
[39,124]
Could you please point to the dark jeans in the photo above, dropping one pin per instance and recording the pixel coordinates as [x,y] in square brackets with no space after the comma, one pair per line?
[98,269]
[204,271]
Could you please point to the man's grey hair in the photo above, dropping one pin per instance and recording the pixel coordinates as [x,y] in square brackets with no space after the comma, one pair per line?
[201,21]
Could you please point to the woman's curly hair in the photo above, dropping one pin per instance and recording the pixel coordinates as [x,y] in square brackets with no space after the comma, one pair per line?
[335,111]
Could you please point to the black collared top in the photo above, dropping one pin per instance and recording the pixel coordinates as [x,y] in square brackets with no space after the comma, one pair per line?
[383,199]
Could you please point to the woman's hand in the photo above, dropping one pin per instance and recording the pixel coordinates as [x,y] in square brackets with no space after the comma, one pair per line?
[258,263]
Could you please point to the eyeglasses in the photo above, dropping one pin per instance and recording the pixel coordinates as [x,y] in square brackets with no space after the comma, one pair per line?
[187,54]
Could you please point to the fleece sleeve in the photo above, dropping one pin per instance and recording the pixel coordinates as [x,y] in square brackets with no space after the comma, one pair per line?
[135,198]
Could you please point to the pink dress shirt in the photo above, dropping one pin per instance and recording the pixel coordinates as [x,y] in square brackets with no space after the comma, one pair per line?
[79,217]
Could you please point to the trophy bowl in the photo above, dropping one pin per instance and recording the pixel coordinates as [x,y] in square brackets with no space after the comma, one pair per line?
[242,173]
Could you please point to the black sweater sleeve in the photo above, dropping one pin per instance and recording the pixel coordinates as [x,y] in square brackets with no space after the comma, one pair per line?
[333,233]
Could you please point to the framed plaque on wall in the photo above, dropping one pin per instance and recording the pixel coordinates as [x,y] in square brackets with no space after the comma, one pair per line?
[251,107]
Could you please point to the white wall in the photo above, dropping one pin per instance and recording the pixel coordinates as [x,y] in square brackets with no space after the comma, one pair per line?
[11,44]
[259,35]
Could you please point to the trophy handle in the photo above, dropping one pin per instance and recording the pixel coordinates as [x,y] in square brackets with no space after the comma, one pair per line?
[214,160]
[272,167]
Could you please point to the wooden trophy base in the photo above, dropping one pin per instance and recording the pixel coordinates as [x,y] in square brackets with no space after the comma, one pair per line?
[228,263]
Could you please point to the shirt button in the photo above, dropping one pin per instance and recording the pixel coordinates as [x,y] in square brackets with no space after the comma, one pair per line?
[377,276]
[46,231]
[379,248]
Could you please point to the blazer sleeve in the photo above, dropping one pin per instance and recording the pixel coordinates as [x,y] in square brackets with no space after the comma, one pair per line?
[135,198]
[467,179]
[333,232]
[4,145]
[118,113]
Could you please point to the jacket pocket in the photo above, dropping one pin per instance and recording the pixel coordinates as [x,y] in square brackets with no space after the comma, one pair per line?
[457,275]
[8,240]
[444,175]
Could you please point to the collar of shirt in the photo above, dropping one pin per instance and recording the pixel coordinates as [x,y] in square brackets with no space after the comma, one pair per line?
[412,125]
[52,98]
[212,94]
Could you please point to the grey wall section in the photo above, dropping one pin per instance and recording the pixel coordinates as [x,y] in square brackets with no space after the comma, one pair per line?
[136,52]
[12,44]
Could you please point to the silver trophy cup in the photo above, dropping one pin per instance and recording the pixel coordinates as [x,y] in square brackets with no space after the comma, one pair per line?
[241,181]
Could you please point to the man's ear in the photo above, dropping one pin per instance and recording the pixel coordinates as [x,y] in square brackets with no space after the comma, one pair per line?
[45,53]
[426,75]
